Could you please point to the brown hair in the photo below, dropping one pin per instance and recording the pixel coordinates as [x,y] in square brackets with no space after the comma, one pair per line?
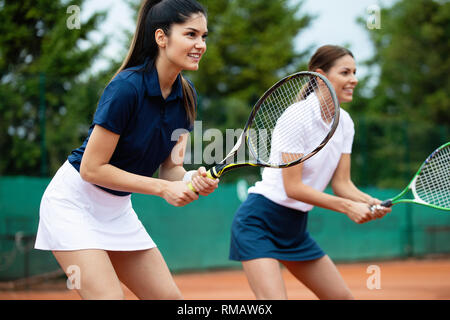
[161,14]
[325,57]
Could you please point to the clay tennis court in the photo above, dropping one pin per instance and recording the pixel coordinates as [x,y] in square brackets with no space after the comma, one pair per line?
[399,280]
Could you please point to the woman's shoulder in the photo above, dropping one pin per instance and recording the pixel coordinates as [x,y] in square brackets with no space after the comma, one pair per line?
[346,122]
[125,83]
[132,76]
[345,116]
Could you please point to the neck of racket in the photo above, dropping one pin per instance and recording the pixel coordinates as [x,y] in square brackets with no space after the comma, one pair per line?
[397,199]
[431,183]
[227,163]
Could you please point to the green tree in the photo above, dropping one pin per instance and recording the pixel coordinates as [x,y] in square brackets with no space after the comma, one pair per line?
[412,52]
[250,46]
[407,113]
[44,56]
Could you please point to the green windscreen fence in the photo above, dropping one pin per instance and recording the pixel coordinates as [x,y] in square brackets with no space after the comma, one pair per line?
[196,237]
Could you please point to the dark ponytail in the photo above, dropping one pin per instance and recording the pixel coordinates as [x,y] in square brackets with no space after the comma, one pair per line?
[154,15]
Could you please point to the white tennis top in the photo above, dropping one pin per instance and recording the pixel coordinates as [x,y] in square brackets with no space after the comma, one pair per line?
[317,170]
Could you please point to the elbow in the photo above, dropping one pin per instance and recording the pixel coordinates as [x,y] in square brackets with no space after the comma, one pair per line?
[86,173]
[290,190]
[292,183]
[162,172]
[335,188]
[340,186]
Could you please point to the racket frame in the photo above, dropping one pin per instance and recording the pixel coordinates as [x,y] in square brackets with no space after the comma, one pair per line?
[412,186]
[219,169]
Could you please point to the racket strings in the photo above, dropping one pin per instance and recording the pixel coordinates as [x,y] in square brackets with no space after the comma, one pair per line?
[283,97]
[292,121]
[433,182]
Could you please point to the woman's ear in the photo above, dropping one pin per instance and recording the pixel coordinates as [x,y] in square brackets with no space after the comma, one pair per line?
[318,70]
[320,81]
[160,38]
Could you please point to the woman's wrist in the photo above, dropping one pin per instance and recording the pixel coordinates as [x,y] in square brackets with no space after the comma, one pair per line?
[158,187]
[344,205]
[188,175]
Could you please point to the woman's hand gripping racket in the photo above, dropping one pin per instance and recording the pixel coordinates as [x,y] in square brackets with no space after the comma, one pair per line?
[290,123]
[431,184]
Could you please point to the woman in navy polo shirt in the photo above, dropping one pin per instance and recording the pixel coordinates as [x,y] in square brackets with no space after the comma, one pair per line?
[86,216]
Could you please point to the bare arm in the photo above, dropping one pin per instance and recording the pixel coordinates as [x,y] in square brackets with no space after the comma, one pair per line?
[295,189]
[172,168]
[343,186]
[95,168]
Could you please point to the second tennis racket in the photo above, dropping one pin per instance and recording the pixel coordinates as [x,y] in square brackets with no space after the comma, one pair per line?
[290,123]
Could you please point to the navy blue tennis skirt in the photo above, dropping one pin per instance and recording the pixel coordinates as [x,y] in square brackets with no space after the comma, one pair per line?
[264,229]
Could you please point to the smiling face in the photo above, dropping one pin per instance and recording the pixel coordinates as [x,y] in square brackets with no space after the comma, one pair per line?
[342,76]
[186,43]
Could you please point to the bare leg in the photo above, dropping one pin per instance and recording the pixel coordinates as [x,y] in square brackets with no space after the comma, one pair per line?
[98,280]
[265,279]
[146,274]
[321,277]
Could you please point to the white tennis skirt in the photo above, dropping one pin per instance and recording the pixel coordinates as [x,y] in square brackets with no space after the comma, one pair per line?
[76,215]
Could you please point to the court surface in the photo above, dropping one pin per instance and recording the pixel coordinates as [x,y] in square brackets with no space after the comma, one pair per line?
[398,280]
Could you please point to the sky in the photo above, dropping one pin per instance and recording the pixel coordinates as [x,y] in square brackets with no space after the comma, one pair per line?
[335,24]
[119,17]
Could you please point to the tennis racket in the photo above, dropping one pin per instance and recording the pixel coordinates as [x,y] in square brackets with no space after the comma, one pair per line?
[290,123]
[431,184]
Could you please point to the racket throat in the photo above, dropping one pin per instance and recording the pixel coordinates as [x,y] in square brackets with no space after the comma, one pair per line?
[212,173]
[216,171]
[387,203]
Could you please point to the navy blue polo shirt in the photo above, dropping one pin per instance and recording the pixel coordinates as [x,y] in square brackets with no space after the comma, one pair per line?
[133,107]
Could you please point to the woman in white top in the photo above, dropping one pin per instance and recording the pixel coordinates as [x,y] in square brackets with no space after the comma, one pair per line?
[270,226]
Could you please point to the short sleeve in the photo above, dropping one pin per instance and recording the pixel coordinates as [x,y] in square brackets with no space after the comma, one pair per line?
[349,133]
[116,106]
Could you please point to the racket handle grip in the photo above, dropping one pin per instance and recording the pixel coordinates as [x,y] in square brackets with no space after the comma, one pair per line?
[387,203]
[208,174]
